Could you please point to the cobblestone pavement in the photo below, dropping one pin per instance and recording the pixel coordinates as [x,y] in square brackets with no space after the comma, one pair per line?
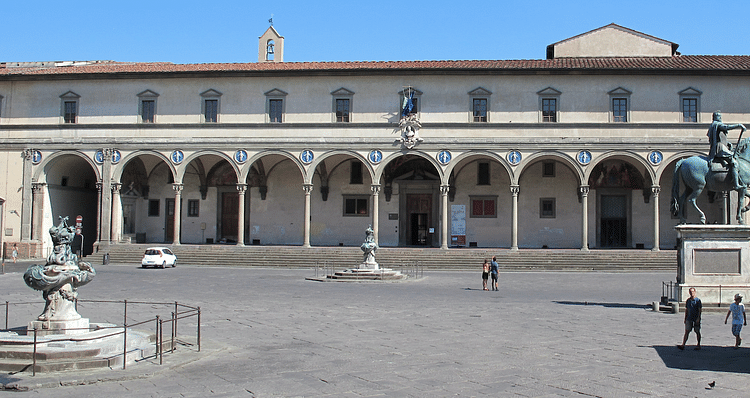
[269,332]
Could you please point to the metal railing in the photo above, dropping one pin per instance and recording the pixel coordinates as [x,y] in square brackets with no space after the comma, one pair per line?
[180,311]
[668,292]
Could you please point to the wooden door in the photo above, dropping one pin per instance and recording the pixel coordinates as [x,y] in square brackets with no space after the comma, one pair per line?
[230,202]
[169,220]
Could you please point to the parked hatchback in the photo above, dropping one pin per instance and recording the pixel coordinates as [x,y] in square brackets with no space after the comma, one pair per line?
[158,257]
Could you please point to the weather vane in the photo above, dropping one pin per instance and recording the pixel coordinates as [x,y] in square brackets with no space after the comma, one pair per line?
[271,20]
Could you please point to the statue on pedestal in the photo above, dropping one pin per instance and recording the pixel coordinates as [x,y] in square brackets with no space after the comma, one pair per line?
[369,247]
[60,277]
[727,168]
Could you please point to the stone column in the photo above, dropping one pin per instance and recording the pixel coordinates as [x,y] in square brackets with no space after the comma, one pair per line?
[177,211]
[116,212]
[724,196]
[98,212]
[655,189]
[375,188]
[106,213]
[241,188]
[444,189]
[26,196]
[37,211]
[584,190]
[308,190]
[514,190]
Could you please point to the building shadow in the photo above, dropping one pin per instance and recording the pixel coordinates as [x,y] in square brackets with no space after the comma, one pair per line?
[612,305]
[712,358]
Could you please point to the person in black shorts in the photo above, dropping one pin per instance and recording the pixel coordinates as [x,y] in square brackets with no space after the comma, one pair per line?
[485,273]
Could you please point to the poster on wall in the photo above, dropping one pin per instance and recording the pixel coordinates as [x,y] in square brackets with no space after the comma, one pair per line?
[458,225]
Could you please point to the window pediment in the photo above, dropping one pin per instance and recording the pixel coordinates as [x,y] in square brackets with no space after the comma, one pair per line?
[275,93]
[620,91]
[343,92]
[70,95]
[211,93]
[549,91]
[412,90]
[480,91]
[147,93]
[690,91]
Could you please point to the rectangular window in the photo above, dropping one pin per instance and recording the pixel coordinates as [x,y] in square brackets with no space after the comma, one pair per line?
[71,111]
[690,110]
[275,110]
[356,206]
[148,111]
[211,111]
[153,208]
[342,110]
[480,109]
[547,208]
[483,173]
[548,169]
[549,110]
[193,209]
[355,172]
[620,110]
[483,207]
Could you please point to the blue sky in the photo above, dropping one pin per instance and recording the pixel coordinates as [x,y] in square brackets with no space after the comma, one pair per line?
[333,30]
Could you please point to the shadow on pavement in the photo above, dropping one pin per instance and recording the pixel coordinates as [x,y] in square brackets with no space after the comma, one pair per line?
[713,358]
[614,305]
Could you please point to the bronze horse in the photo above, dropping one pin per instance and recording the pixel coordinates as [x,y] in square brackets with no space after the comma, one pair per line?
[695,172]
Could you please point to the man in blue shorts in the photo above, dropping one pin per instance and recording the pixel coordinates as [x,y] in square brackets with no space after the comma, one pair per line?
[693,309]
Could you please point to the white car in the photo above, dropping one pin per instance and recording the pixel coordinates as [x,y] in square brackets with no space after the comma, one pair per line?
[158,257]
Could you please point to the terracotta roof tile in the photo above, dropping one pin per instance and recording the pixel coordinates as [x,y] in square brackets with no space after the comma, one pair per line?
[696,63]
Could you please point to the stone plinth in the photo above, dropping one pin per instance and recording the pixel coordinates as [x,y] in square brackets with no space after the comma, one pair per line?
[368,265]
[715,260]
[70,327]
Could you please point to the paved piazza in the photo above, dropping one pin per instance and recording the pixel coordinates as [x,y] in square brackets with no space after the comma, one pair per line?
[269,332]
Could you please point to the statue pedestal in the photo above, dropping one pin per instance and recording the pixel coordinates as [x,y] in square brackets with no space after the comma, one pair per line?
[44,328]
[368,265]
[715,260]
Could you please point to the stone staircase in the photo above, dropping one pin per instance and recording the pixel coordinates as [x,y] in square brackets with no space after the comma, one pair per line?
[397,257]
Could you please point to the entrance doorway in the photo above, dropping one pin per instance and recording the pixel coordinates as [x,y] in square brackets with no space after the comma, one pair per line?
[169,220]
[419,212]
[230,202]
[613,221]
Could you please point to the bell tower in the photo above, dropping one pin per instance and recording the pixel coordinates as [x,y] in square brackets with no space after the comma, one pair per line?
[271,46]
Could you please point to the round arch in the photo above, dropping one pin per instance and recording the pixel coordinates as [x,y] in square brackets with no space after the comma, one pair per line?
[482,153]
[40,169]
[319,159]
[120,167]
[380,170]
[245,170]
[615,154]
[557,155]
[180,171]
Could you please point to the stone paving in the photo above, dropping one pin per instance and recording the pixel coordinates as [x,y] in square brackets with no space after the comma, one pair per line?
[271,333]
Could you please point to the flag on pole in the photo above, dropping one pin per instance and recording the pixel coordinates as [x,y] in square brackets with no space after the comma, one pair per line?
[407,106]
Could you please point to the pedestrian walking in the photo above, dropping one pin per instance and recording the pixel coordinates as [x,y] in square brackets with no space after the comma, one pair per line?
[493,271]
[14,253]
[737,310]
[485,273]
[693,310]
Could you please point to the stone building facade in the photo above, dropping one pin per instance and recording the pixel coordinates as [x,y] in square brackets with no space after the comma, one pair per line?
[573,151]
